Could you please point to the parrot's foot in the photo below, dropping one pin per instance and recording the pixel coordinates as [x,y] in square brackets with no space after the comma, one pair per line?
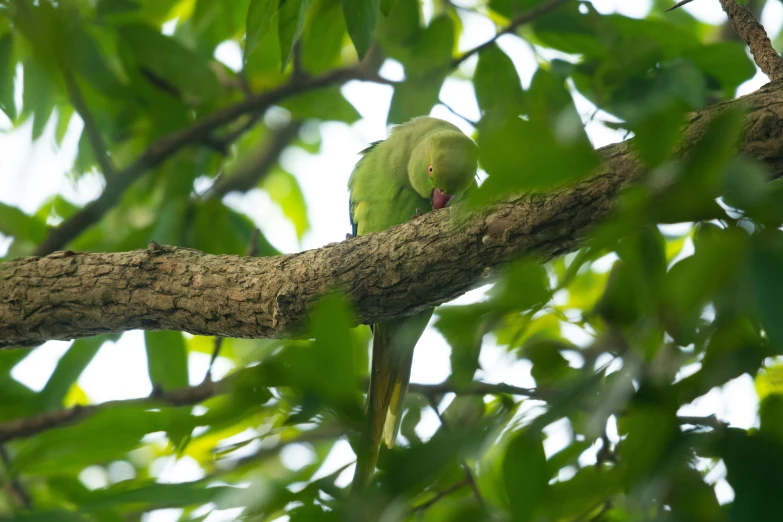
[348,235]
[418,213]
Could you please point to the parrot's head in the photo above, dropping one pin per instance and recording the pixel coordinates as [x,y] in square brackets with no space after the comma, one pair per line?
[443,166]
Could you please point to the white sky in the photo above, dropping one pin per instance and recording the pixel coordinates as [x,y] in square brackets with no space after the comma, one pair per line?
[32,172]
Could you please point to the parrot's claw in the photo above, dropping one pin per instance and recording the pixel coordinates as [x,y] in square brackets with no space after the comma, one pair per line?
[418,213]
[348,235]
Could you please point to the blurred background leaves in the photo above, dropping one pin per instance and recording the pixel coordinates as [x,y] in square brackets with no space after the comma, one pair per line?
[674,296]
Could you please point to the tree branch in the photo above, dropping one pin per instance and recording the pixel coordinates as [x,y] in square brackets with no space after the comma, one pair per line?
[522,19]
[201,131]
[253,169]
[28,426]
[753,34]
[192,395]
[395,273]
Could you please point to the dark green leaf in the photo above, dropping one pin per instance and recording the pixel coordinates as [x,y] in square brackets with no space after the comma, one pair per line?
[766,269]
[525,475]
[69,368]
[324,104]
[360,18]
[164,61]
[323,36]
[497,82]
[7,74]
[37,95]
[290,25]
[167,359]
[15,223]
[260,15]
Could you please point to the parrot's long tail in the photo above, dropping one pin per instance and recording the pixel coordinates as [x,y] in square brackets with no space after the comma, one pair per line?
[377,406]
[391,372]
[392,355]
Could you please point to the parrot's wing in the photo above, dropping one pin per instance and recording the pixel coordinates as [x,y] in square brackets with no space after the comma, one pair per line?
[351,202]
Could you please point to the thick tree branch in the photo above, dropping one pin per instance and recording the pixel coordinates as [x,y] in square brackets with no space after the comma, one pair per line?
[401,271]
[753,34]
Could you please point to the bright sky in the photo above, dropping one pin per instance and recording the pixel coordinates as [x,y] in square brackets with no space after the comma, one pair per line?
[32,172]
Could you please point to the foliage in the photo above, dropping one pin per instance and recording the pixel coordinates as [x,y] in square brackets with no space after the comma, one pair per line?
[680,311]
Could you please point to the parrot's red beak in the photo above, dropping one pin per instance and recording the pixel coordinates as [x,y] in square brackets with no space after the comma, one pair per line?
[439,199]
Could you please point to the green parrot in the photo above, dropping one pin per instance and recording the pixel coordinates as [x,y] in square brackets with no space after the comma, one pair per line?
[421,166]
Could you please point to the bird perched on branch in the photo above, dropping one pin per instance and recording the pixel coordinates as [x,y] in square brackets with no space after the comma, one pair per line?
[421,166]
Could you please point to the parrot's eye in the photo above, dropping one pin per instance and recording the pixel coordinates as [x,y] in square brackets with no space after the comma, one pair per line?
[429,169]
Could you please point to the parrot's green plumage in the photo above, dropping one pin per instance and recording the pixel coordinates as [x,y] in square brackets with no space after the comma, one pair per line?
[422,165]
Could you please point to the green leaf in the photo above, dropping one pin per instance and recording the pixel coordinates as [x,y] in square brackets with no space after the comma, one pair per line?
[69,368]
[290,25]
[167,359]
[217,229]
[497,82]
[150,495]
[753,463]
[525,475]
[581,493]
[15,223]
[657,129]
[727,62]
[414,97]
[524,155]
[524,286]
[425,70]
[463,327]
[7,74]
[284,190]
[72,448]
[165,58]
[323,36]
[323,104]
[692,499]
[387,6]
[771,414]
[258,23]
[766,270]
[360,18]
[37,96]
[651,432]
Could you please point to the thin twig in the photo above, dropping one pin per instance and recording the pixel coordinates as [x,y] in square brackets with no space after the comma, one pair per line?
[457,114]
[709,421]
[215,353]
[438,496]
[28,426]
[90,128]
[13,485]
[522,19]
[678,5]
[753,34]
[477,388]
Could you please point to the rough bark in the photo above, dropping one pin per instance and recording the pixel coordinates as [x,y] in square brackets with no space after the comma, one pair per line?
[420,264]
[751,32]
